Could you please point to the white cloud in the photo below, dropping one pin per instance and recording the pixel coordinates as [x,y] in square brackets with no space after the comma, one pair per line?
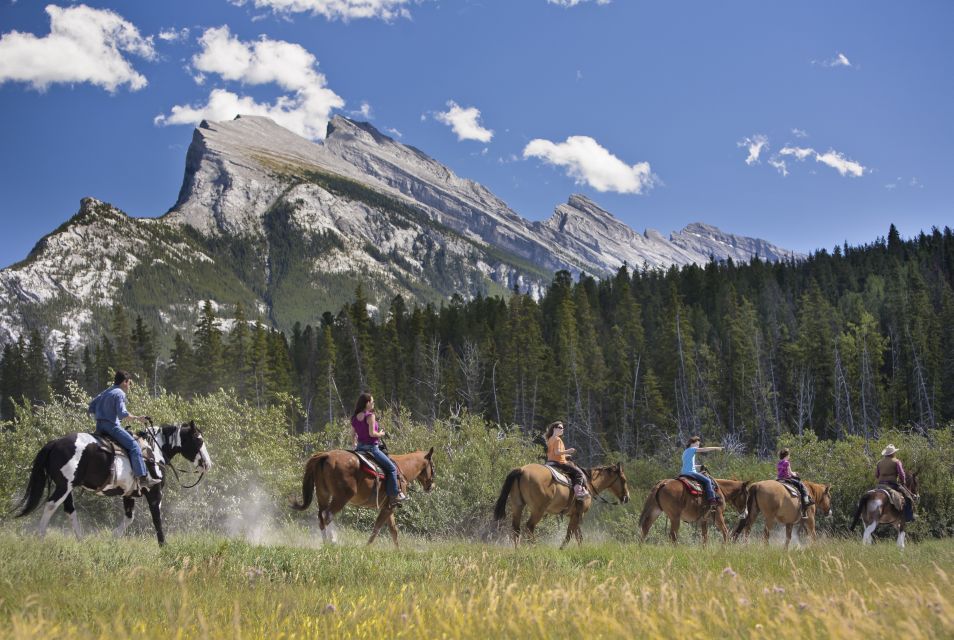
[779,164]
[464,122]
[344,10]
[84,45]
[800,153]
[799,133]
[834,159]
[589,163]
[394,132]
[171,35]
[840,60]
[755,144]
[305,110]
[573,3]
[363,112]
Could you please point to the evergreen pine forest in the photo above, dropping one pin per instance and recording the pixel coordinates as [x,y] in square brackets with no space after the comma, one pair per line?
[848,342]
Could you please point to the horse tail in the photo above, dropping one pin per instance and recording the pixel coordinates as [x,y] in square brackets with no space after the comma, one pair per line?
[861,507]
[38,482]
[312,468]
[751,513]
[651,499]
[501,507]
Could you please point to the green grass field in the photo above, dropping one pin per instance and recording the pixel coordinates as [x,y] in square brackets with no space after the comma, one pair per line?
[202,586]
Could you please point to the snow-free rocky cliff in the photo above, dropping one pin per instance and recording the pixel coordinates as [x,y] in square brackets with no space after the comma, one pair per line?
[289,228]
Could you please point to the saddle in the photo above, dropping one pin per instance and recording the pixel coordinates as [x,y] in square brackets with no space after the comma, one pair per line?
[693,486]
[895,497]
[792,489]
[112,449]
[368,465]
[558,476]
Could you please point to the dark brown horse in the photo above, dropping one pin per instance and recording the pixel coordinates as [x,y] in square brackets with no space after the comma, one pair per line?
[671,497]
[778,505]
[874,508]
[337,480]
[533,486]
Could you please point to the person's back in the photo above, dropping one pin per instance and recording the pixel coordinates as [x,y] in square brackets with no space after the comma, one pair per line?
[691,469]
[109,409]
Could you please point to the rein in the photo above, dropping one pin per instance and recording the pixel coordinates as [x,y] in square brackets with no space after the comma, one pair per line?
[597,493]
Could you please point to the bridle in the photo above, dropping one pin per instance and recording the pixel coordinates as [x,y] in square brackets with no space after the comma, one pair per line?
[619,478]
[152,431]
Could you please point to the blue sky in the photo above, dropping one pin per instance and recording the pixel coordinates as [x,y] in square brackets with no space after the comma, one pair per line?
[842,109]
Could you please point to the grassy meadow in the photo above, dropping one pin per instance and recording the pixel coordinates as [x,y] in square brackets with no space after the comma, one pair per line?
[205,586]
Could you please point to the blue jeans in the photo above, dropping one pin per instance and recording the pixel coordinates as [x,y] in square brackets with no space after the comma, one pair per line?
[129,444]
[708,484]
[387,465]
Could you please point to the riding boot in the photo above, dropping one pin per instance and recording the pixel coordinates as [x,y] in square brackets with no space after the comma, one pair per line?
[580,492]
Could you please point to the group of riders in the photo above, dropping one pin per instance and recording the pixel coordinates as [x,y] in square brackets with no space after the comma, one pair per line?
[109,409]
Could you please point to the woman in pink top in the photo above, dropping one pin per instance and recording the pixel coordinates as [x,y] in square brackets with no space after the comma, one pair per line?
[786,474]
[367,439]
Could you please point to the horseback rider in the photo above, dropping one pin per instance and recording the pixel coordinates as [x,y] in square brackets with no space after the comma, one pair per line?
[367,439]
[557,457]
[109,409]
[785,474]
[890,472]
[691,469]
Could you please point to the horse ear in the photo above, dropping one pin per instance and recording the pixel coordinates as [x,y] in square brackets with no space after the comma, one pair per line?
[619,466]
[192,424]
[429,453]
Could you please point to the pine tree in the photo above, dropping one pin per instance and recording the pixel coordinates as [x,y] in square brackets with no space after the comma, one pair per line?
[144,348]
[237,353]
[182,369]
[209,361]
[37,383]
[65,369]
[12,377]
[124,355]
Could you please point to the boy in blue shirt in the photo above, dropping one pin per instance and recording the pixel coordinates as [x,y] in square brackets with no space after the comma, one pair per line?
[691,469]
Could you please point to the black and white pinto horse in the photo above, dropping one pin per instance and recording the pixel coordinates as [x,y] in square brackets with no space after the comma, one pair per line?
[78,460]
[875,508]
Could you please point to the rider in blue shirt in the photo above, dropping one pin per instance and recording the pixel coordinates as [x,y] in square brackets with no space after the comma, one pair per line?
[691,469]
[109,408]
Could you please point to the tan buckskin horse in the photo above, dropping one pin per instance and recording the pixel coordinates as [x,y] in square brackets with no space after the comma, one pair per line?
[778,505]
[533,486]
[874,508]
[337,479]
[671,497]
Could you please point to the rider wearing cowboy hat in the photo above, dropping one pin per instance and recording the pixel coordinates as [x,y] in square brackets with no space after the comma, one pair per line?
[890,472]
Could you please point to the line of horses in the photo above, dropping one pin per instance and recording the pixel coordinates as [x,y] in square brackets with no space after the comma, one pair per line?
[335,479]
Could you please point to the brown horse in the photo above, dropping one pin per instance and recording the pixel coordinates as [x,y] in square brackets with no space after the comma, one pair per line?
[533,486]
[671,497]
[778,505]
[874,508]
[337,479]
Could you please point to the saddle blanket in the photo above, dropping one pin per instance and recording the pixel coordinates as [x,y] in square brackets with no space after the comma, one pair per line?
[792,489]
[368,465]
[693,485]
[895,497]
[558,476]
[120,468]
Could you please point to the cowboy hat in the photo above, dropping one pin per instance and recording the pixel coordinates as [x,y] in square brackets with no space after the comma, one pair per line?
[890,450]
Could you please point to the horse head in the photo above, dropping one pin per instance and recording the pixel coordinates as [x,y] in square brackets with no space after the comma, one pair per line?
[426,477]
[185,439]
[911,481]
[617,484]
[823,502]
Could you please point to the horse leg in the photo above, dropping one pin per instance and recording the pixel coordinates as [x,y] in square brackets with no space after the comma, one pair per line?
[769,523]
[154,498]
[338,502]
[74,517]
[719,518]
[647,522]
[516,513]
[901,536]
[535,517]
[869,529]
[56,499]
[674,523]
[392,525]
[572,528]
[383,515]
[129,506]
[704,530]
[788,534]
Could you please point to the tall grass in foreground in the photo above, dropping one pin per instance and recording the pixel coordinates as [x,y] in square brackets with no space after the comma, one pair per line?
[205,586]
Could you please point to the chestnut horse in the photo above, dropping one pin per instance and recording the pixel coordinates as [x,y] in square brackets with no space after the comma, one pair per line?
[533,486]
[874,508]
[778,505]
[337,479]
[671,497]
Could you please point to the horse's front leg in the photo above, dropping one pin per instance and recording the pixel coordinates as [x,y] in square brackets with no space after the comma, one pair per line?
[154,498]
[788,534]
[383,516]
[129,507]
[571,528]
[719,518]
[901,536]
[704,530]
[392,525]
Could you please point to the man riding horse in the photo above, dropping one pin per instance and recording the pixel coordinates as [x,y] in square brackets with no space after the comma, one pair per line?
[109,409]
[890,472]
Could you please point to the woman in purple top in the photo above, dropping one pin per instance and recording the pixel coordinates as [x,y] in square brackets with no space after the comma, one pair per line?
[785,473]
[367,439]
